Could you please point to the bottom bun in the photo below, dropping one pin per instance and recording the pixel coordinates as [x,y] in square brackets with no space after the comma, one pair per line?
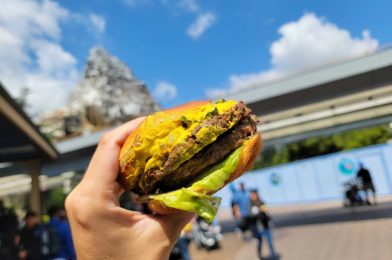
[160,208]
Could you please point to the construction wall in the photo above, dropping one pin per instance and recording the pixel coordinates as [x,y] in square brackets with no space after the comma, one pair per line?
[319,178]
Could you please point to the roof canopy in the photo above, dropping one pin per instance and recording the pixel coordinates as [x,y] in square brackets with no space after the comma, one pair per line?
[319,84]
[20,139]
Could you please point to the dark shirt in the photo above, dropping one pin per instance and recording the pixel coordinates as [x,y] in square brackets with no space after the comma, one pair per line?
[364,175]
[30,240]
[8,227]
[258,215]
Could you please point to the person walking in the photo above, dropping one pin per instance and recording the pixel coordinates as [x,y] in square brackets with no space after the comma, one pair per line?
[29,240]
[240,206]
[233,190]
[260,224]
[365,177]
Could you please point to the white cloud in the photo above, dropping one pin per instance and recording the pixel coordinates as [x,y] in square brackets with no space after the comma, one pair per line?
[189,5]
[186,5]
[31,54]
[98,22]
[165,91]
[309,42]
[134,3]
[316,41]
[200,25]
[203,21]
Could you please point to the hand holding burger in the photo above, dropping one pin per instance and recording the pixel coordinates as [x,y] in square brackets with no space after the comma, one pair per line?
[176,159]
[101,229]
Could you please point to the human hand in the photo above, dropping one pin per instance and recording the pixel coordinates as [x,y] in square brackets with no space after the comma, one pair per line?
[22,254]
[237,212]
[101,229]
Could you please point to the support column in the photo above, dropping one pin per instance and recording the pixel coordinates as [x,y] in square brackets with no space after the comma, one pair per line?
[35,197]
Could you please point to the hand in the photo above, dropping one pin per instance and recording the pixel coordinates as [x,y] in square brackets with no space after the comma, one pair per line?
[101,229]
[22,254]
[237,212]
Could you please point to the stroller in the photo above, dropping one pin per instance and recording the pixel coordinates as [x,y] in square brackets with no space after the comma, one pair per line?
[351,194]
[205,235]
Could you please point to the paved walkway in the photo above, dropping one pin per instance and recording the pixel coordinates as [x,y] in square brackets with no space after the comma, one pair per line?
[303,232]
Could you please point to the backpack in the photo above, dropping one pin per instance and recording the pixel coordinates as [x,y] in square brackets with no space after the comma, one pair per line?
[51,244]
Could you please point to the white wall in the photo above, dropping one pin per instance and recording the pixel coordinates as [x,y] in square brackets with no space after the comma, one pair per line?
[318,178]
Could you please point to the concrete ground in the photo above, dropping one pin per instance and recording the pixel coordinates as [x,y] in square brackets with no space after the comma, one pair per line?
[317,231]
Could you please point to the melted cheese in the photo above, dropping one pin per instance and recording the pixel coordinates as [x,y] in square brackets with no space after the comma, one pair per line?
[162,131]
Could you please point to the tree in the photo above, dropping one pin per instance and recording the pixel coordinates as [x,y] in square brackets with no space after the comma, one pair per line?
[320,145]
[22,99]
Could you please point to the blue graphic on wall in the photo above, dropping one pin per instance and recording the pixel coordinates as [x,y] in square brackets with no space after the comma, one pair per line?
[346,166]
[275,179]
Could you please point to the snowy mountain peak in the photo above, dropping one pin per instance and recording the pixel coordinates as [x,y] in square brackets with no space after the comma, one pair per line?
[101,62]
[110,91]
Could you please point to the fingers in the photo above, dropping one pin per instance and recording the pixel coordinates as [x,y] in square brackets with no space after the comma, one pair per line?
[103,168]
[120,134]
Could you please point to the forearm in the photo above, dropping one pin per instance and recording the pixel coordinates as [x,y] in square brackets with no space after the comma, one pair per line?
[115,245]
[156,253]
[150,252]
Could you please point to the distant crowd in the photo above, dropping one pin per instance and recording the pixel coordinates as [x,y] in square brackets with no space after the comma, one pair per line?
[32,239]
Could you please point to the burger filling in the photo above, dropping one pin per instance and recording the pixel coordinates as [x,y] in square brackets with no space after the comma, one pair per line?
[210,155]
[209,142]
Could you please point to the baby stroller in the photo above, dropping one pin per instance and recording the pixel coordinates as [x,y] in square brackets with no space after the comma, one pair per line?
[351,194]
[205,235]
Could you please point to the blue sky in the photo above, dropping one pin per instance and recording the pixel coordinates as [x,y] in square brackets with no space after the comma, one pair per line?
[182,49]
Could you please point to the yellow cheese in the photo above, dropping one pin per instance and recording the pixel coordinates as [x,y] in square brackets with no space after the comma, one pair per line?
[160,133]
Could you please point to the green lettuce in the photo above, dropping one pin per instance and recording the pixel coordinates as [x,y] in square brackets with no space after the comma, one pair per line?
[195,198]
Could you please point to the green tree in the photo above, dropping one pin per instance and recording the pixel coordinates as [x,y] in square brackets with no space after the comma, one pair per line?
[320,145]
[55,197]
[22,99]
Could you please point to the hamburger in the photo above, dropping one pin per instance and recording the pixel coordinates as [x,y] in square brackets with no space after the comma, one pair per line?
[176,159]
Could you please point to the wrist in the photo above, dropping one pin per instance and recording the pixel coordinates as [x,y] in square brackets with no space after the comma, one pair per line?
[158,252]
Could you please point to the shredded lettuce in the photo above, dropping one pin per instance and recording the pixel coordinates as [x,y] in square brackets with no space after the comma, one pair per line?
[185,199]
[195,198]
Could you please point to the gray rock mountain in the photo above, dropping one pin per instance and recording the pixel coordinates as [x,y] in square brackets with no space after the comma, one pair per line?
[109,92]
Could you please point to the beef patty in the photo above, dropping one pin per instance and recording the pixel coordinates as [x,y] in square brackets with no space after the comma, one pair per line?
[175,173]
[210,155]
